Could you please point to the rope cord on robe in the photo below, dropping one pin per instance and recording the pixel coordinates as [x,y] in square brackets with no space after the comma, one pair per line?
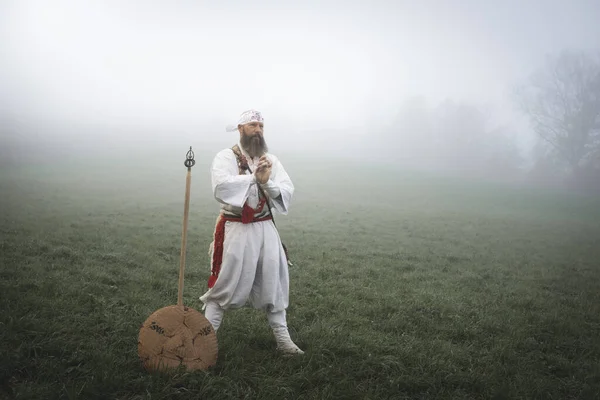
[243,167]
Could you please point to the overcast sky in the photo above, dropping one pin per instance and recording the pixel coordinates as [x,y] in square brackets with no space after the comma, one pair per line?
[305,64]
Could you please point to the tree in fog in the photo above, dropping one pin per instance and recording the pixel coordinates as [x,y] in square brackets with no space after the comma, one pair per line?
[461,135]
[413,128]
[562,101]
[451,136]
[465,139]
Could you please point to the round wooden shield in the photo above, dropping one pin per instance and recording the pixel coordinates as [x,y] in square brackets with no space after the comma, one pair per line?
[177,335]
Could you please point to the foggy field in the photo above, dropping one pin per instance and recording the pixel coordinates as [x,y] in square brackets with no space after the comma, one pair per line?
[404,285]
[445,226]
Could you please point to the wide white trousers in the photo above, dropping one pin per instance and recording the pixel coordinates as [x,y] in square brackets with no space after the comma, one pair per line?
[254,270]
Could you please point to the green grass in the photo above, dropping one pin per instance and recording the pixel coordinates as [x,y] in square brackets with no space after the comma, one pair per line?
[405,286]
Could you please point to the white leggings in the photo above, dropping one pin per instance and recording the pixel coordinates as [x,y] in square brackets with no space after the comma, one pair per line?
[214,315]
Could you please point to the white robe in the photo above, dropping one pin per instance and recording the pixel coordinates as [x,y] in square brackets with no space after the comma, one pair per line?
[254,269]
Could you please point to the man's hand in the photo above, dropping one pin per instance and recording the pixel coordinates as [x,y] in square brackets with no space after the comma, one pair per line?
[263,172]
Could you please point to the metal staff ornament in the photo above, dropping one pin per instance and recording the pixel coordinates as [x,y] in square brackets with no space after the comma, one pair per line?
[178,335]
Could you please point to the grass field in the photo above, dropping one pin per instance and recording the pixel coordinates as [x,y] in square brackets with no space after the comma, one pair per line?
[404,286]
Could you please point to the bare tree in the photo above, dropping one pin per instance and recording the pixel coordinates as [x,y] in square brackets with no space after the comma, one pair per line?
[562,100]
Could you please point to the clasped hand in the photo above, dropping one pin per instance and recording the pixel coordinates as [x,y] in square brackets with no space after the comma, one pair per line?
[263,171]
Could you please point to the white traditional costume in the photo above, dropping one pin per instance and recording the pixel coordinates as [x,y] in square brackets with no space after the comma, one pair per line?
[248,261]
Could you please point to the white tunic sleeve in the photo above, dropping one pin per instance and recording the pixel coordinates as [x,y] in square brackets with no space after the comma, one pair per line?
[279,187]
[229,187]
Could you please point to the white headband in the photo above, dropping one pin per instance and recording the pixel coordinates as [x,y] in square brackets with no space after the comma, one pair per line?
[246,118]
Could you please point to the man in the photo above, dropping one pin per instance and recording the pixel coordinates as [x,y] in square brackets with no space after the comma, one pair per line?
[248,260]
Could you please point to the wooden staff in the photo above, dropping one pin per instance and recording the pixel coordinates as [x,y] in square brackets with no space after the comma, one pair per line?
[189,163]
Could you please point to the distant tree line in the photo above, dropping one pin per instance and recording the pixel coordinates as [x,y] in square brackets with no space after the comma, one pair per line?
[453,136]
[561,100]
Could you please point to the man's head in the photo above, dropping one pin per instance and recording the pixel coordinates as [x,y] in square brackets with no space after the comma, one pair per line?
[250,126]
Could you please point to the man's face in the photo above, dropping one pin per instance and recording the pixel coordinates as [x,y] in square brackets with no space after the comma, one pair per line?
[252,139]
[253,128]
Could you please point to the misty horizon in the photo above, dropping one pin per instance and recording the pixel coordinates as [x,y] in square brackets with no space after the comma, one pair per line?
[341,76]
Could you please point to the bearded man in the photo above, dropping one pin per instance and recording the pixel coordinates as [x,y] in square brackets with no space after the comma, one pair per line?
[249,264]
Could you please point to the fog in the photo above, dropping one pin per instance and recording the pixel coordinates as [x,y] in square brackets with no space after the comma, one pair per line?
[330,77]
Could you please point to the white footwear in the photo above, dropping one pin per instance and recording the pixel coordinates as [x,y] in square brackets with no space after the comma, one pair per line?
[285,343]
[214,315]
[277,321]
